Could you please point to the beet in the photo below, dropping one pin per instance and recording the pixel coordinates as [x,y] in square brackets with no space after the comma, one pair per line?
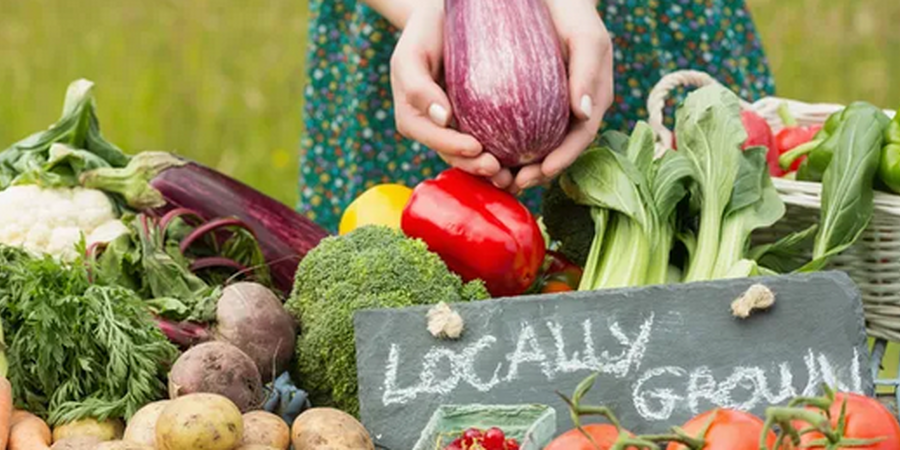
[218,368]
[506,77]
[252,318]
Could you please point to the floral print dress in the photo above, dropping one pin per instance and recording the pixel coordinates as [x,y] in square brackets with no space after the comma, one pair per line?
[350,143]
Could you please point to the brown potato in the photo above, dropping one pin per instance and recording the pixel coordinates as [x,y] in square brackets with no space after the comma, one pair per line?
[329,429]
[255,447]
[199,422]
[267,429]
[142,426]
[77,443]
[107,430]
[123,445]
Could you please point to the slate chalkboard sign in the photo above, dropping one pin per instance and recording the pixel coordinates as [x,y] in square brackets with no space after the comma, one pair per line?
[664,353]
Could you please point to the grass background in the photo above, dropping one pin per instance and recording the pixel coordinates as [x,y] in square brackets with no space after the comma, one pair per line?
[222,81]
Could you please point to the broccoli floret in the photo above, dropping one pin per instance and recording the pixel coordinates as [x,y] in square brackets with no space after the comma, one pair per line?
[568,223]
[370,267]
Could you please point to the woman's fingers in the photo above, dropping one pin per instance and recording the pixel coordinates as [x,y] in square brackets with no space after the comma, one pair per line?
[503,179]
[485,164]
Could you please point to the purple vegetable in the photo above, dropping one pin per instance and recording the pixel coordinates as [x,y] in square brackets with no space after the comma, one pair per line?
[506,77]
[161,182]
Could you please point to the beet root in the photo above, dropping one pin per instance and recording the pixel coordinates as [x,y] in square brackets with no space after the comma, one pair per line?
[218,368]
[252,318]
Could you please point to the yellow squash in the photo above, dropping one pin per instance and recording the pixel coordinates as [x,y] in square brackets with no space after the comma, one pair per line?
[380,205]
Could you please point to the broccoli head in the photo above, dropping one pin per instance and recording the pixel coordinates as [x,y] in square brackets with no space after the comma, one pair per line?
[568,223]
[370,267]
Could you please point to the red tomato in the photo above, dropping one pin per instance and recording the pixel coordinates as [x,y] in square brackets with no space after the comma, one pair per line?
[866,418]
[604,435]
[730,430]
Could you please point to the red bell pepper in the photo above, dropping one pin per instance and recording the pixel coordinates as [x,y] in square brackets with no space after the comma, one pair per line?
[480,232]
[793,135]
[759,134]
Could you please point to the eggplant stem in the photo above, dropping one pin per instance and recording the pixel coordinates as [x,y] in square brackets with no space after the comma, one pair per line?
[211,226]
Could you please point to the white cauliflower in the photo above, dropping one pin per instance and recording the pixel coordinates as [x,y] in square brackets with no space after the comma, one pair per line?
[52,221]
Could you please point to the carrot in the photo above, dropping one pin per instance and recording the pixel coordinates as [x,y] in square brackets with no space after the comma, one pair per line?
[28,432]
[6,409]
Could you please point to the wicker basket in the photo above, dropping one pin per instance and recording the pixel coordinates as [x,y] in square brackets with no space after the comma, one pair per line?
[873,262]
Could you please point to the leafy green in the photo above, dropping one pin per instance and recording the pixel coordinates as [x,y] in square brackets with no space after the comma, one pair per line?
[848,182]
[755,203]
[370,267]
[57,156]
[710,133]
[78,350]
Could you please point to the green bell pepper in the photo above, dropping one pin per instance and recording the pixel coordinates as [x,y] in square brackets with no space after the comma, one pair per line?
[889,169]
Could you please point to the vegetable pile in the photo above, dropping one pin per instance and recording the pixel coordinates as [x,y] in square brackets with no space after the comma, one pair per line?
[149,302]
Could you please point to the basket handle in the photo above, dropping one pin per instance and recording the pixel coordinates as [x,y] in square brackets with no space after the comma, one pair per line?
[656,101]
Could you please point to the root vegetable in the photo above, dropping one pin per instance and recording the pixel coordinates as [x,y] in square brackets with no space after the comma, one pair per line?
[77,443]
[28,432]
[123,445]
[199,422]
[256,447]
[218,368]
[253,319]
[108,430]
[263,428]
[329,429]
[142,426]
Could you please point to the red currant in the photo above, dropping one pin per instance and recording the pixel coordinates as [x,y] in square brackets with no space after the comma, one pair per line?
[493,439]
[512,444]
[470,436]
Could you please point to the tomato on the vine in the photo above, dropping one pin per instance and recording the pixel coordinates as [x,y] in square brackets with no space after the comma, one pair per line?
[728,430]
[866,418]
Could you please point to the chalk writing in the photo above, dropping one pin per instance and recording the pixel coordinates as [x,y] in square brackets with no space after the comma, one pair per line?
[657,393]
[654,402]
[528,350]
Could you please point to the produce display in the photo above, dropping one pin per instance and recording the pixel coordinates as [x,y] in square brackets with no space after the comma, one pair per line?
[149,302]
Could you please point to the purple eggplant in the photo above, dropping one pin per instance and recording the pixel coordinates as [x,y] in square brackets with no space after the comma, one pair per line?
[506,78]
[160,182]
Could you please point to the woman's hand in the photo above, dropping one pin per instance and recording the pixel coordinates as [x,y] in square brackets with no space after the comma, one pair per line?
[421,108]
[588,50]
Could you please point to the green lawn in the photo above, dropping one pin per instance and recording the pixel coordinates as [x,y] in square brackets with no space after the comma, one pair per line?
[222,81]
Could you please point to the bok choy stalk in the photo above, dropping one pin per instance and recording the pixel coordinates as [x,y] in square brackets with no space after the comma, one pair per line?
[633,199]
[710,133]
[755,203]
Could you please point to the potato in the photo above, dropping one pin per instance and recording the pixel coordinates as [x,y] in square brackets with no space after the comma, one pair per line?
[123,445]
[142,426]
[199,422]
[255,447]
[77,443]
[266,429]
[329,429]
[107,430]
[218,368]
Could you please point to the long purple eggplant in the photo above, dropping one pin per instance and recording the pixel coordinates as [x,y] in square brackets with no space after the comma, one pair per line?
[506,78]
[161,182]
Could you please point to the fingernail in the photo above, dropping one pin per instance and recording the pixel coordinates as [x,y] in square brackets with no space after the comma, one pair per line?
[528,185]
[438,114]
[586,105]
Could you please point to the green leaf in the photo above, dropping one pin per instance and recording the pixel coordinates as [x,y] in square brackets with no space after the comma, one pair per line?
[788,253]
[33,160]
[848,183]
